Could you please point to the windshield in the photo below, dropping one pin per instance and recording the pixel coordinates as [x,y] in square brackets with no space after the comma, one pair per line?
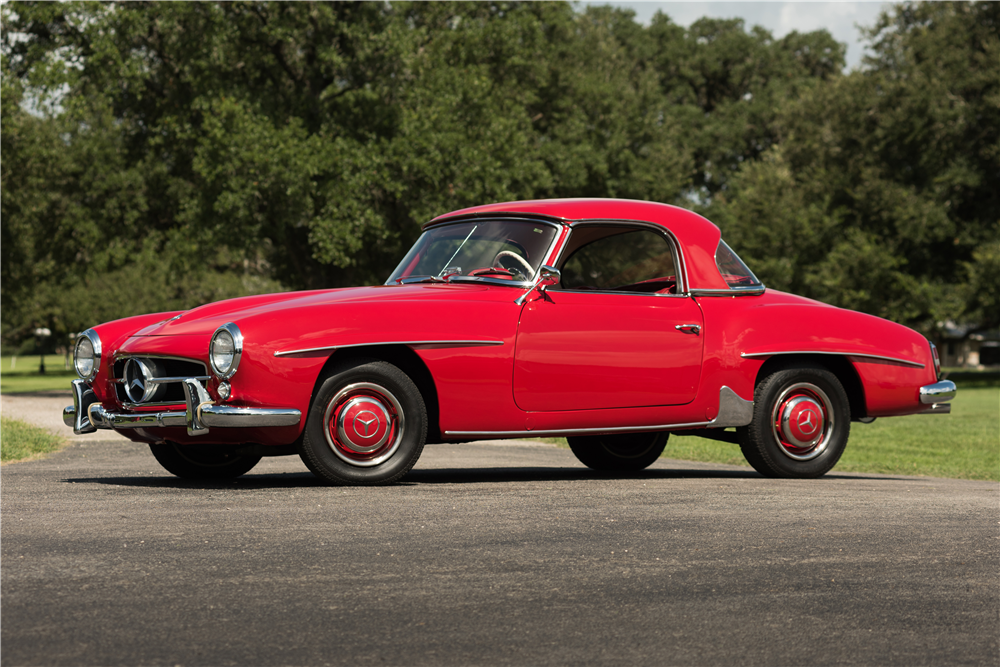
[509,250]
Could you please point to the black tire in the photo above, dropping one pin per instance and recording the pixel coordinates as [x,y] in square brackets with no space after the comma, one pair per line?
[626,452]
[367,425]
[801,423]
[202,462]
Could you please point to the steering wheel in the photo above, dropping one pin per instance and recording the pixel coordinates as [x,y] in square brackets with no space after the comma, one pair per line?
[520,260]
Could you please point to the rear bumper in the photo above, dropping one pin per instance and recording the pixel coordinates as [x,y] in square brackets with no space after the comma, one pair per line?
[936,396]
[86,415]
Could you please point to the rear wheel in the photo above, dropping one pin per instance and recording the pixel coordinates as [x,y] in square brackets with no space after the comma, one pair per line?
[367,425]
[202,461]
[801,422]
[620,452]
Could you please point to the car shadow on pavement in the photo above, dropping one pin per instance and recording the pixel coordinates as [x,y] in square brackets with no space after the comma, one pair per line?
[418,477]
[457,476]
[489,475]
[539,474]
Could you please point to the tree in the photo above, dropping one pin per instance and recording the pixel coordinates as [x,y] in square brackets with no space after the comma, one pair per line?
[158,155]
[898,168]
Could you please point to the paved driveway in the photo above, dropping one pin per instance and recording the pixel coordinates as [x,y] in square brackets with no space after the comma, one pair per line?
[492,554]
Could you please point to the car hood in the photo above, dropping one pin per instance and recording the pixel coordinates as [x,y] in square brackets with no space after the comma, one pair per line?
[206,319]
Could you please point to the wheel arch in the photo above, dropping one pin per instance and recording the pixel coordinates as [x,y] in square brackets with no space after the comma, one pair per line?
[839,365]
[403,358]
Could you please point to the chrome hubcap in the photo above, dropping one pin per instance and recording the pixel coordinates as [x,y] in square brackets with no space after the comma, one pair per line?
[363,424]
[802,421]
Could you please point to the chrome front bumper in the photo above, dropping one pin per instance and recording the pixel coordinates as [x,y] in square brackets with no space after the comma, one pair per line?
[86,415]
[936,396]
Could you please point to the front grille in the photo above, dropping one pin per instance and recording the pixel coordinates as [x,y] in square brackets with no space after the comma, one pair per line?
[167,393]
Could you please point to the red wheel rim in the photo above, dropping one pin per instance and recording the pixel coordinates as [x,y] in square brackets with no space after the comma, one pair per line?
[363,424]
[802,421]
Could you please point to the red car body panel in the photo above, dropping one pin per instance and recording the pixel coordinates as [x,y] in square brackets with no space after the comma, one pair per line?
[608,351]
[503,366]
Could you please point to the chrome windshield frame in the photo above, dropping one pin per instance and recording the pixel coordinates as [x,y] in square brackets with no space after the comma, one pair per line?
[489,280]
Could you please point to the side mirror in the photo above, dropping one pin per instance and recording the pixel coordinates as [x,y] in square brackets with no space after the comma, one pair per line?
[549,276]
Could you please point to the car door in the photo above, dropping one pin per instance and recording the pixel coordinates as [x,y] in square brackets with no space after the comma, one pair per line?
[614,333]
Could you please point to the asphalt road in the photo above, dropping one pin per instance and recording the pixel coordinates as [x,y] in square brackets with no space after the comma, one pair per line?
[492,554]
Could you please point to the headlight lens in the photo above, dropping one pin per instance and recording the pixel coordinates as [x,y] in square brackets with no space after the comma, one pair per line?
[87,354]
[225,350]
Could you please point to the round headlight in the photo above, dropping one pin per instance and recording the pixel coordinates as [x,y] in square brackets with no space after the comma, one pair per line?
[225,350]
[87,354]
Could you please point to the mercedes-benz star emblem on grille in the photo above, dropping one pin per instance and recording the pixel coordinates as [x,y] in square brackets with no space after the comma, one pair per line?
[137,377]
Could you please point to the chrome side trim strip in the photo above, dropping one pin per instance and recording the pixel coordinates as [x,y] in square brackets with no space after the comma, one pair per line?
[445,343]
[905,362]
[939,392]
[733,411]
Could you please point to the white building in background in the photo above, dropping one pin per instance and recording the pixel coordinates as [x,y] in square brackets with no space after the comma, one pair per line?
[962,348]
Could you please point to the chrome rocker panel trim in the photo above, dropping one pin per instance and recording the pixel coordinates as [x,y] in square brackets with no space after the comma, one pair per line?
[939,392]
[733,411]
[86,415]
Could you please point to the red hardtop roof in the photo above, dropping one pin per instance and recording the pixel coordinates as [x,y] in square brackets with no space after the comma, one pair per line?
[697,236]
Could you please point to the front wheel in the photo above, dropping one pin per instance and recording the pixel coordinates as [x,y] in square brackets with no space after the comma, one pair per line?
[367,425]
[202,461]
[801,422]
[626,452]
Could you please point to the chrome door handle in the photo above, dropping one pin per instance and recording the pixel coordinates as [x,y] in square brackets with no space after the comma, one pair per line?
[689,328]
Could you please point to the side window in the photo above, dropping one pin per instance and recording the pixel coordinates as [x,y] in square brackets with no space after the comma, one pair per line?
[623,260]
[733,270]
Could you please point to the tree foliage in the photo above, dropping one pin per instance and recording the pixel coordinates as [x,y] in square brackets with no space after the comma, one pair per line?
[160,155]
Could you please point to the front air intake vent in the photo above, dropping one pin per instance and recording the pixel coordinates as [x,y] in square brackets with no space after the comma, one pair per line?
[153,381]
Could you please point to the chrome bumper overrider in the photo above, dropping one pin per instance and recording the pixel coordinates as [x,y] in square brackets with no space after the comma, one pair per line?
[86,415]
[935,395]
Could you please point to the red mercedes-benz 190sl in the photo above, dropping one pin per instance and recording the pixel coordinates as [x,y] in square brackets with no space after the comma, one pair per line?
[613,323]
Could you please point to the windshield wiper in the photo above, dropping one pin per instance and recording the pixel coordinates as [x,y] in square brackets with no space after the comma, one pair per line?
[410,280]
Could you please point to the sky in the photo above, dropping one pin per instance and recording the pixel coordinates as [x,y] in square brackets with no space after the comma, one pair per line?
[780,18]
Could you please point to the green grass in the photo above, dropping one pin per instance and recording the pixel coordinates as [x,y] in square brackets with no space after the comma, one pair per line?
[27,365]
[20,441]
[20,374]
[962,445]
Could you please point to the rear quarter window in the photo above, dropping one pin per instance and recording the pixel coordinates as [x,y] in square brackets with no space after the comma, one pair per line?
[736,274]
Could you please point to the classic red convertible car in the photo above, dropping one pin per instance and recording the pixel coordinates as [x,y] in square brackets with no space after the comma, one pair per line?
[613,323]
